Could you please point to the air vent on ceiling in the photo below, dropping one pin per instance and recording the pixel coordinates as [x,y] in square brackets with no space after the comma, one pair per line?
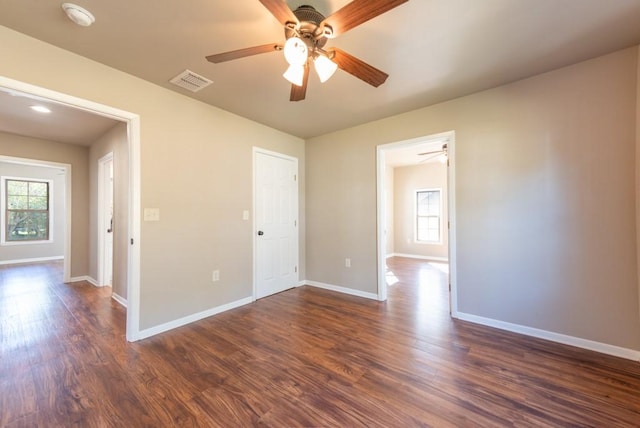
[191,81]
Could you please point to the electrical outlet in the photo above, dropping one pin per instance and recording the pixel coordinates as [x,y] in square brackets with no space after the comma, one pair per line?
[216,276]
[347,262]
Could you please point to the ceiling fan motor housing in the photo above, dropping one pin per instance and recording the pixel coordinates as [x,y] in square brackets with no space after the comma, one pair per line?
[308,30]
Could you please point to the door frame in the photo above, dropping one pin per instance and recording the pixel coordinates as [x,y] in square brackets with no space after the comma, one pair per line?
[382,211]
[103,222]
[133,131]
[255,152]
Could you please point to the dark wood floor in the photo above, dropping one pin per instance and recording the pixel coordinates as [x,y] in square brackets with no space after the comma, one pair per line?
[305,357]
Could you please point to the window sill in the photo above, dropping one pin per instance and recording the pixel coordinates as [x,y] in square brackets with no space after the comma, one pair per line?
[12,244]
[427,243]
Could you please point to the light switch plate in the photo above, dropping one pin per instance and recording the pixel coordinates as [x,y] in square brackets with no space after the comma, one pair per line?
[152,214]
[245,215]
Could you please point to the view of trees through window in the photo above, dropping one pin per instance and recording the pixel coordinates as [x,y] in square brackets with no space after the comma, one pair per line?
[27,213]
[428,215]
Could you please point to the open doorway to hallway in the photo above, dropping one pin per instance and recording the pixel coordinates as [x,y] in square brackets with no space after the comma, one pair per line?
[70,130]
[416,209]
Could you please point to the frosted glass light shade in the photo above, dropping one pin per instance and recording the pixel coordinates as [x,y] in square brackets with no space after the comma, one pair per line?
[324,67]
[294,74]
[295,51]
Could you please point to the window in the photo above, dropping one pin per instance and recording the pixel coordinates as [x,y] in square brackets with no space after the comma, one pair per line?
[428,213]
[26,210]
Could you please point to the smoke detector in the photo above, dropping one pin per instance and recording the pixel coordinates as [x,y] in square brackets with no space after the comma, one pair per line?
[79,15]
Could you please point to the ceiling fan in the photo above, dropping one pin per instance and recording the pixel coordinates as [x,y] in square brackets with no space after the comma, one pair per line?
[441,155]
[307,31]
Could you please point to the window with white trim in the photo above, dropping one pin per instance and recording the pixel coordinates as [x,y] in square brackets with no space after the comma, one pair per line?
[26,216]
[428,216]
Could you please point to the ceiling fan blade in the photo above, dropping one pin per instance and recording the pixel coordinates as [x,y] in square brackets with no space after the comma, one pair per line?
[280,11]
[431,153]
[358,12]
[441,151]
[358,68]
[241,53]
[299,92]
[428,158]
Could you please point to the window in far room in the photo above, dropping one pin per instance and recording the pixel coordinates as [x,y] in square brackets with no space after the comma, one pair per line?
[26,214]
[428,214]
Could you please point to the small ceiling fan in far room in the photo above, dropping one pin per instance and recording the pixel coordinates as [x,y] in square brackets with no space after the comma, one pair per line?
[442,155]
[306,32]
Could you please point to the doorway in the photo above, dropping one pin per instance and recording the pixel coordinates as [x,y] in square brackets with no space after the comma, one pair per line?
[275,222]
[384,233]
[133,177]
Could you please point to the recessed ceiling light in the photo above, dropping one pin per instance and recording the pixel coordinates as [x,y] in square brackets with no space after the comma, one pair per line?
[79,15]
[40,109]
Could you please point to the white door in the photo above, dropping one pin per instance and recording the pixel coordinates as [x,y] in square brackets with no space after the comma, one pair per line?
[276,222]
[105,216]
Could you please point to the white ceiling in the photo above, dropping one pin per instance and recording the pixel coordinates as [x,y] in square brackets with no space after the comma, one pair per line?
[433,50]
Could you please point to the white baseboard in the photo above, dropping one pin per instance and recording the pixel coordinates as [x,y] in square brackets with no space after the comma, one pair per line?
[415,256]
[84,278]
[343,290]
[143,334]
[603,348]
[119,299]
[33,260]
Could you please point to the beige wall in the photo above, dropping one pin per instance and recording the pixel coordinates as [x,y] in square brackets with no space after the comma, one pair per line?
[77,157]
[637,195]
[408,179]
[196,167]
[545,200]
[55,248]
[114,141]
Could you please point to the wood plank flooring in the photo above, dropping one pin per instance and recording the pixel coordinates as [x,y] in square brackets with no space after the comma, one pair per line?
[305,357]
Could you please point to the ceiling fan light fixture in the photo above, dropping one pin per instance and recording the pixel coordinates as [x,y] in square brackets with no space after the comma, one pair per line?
[296,51]
[295,74]
[324,67]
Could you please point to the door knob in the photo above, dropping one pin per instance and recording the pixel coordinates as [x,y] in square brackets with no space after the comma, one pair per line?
[260,233]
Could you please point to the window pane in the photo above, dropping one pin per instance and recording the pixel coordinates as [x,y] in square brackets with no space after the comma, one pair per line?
[38,189]
[26,226]
[17,203]
[17,187]
[428,215]
[27,215]
[428,202]
[434,204]
[423,203]
[38,202]
[421,234]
